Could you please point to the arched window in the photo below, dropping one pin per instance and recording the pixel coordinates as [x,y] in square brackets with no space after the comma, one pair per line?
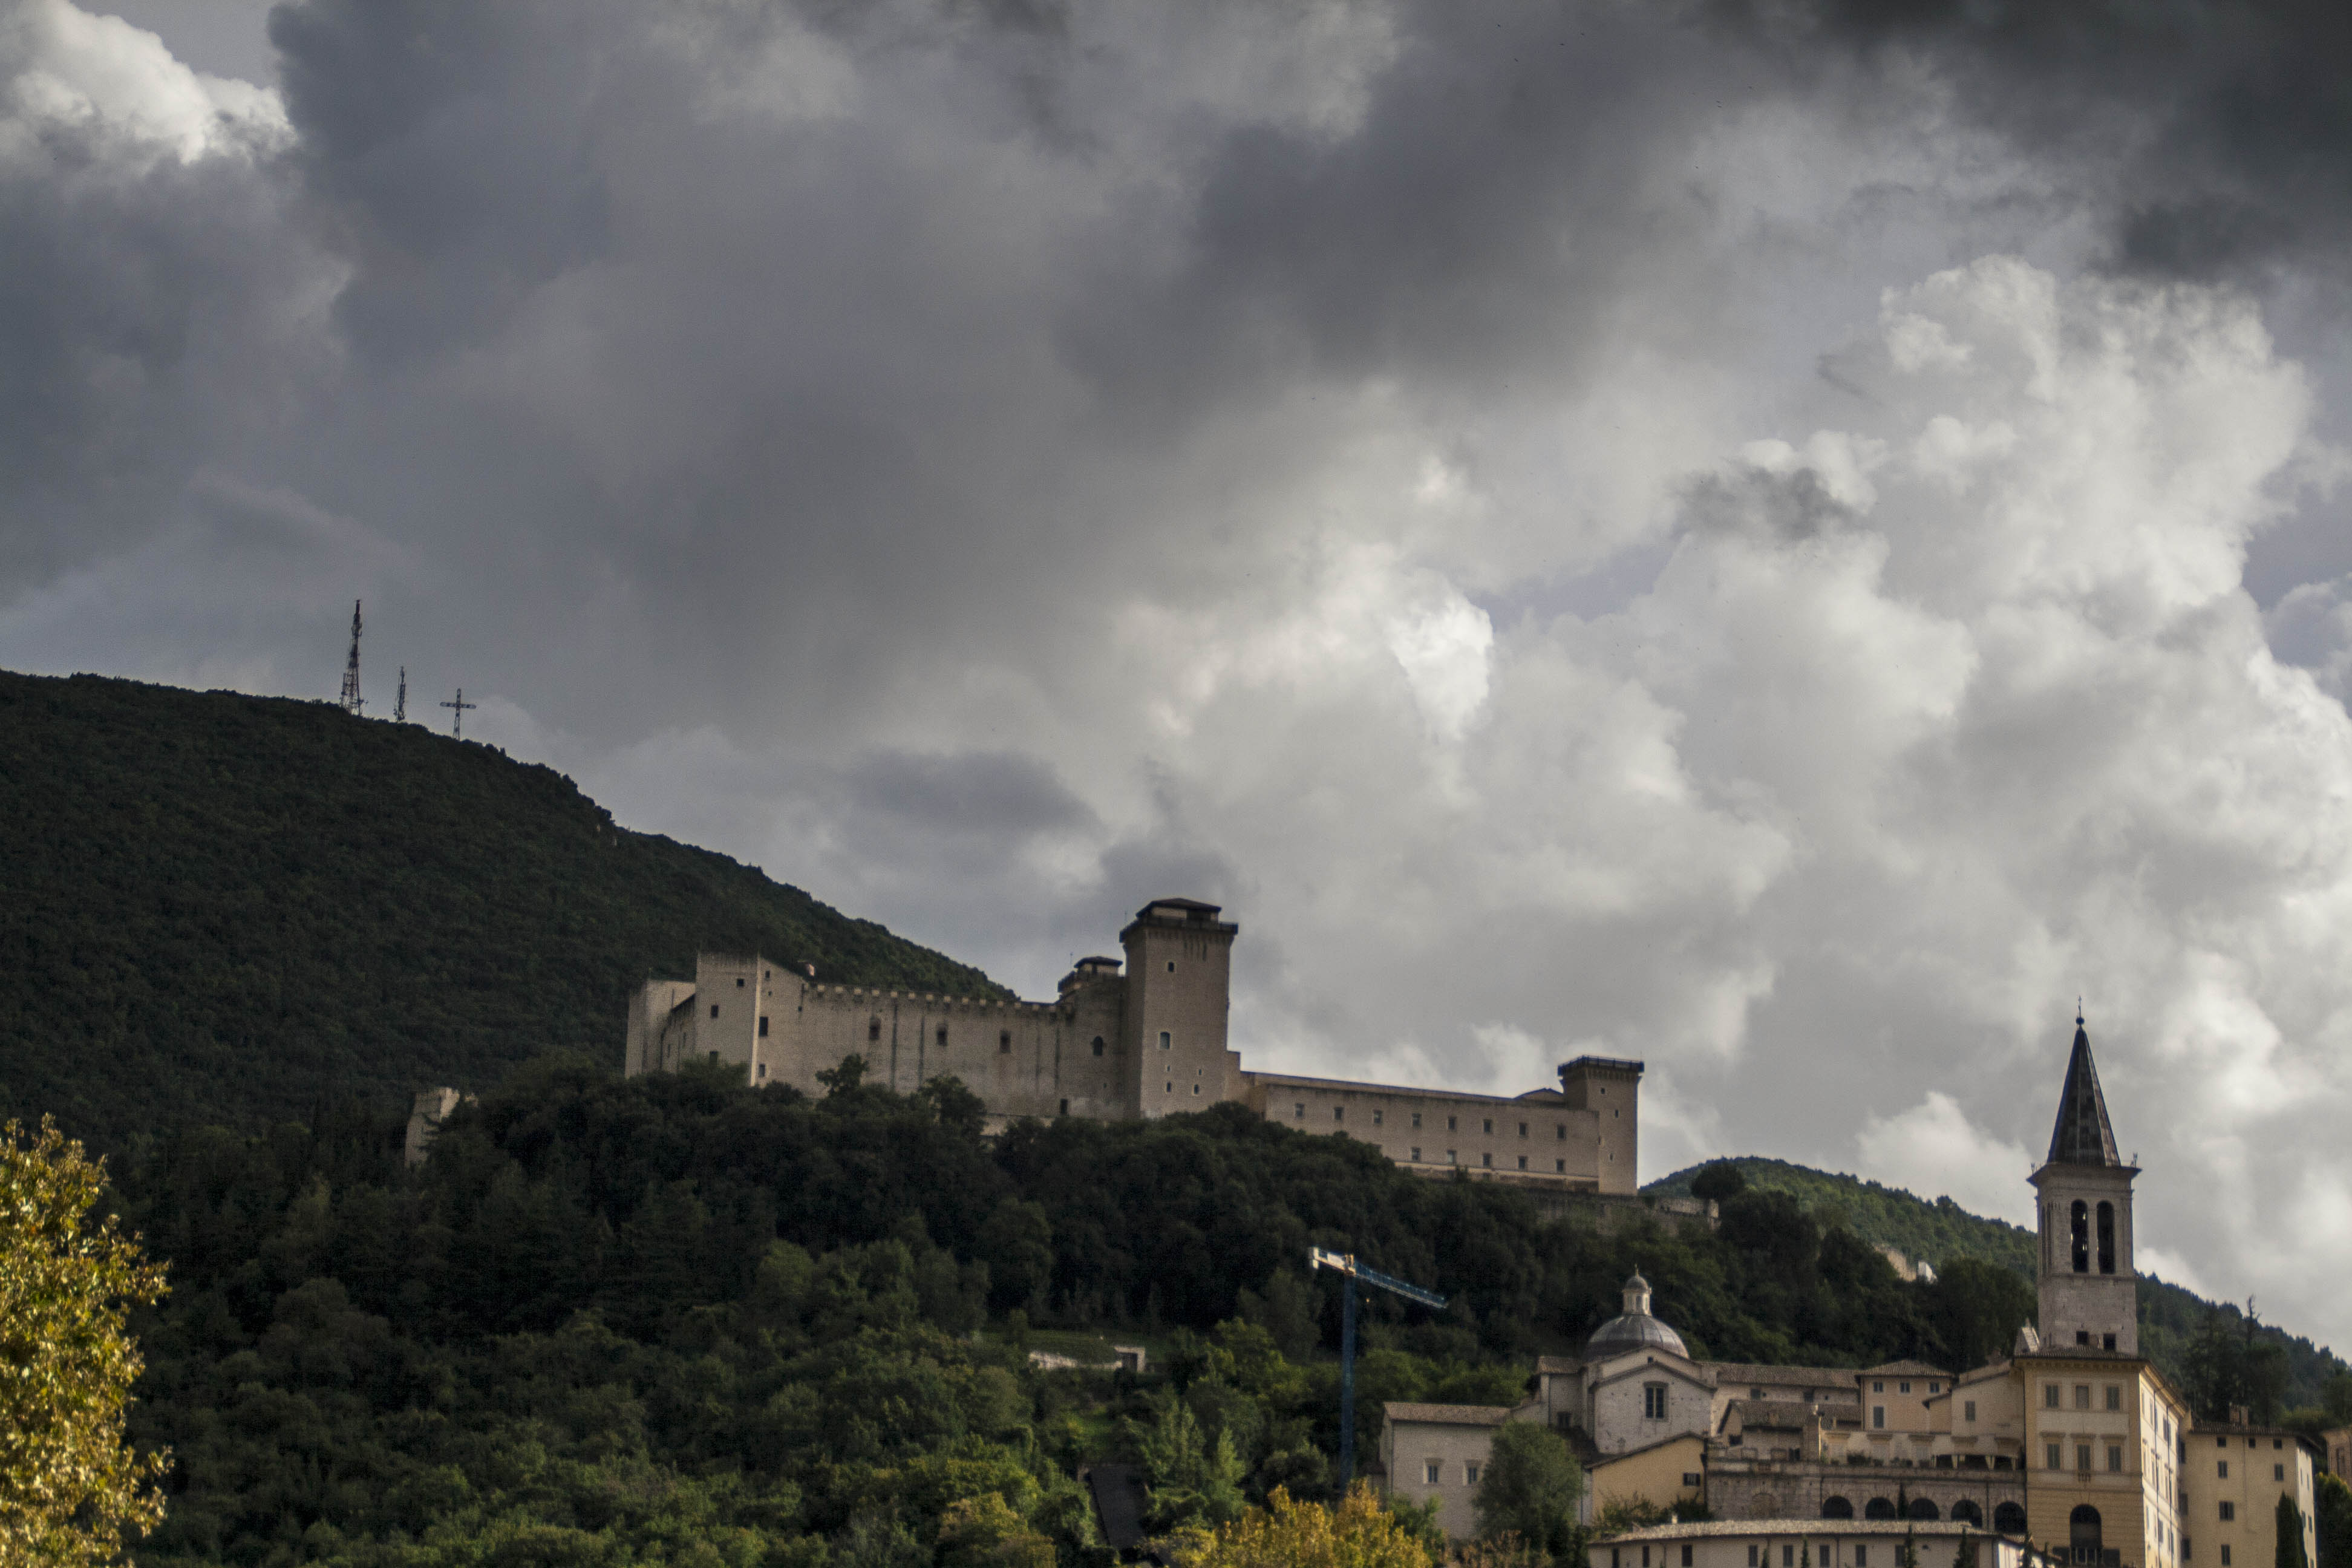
[1966,1511]
[1879,1508]
[1923,1508]
[2107,1239]
[2082,1535]
[1836,1508]
[2082,1236]
[2008,1518]
[1098,1045]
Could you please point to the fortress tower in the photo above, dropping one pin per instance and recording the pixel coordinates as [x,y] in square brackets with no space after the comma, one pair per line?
[1179,976]
[2090,1291]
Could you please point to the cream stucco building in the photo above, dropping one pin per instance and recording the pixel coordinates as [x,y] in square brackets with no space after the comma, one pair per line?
[2073,1448]
[1139,1037]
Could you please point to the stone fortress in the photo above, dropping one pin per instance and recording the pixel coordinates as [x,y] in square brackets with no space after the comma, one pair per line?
[1141,1037]
[2072,1448]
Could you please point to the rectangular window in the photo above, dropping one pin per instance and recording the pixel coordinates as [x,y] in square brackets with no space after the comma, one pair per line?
[1450,1124]
[1487,1161]
[1878,1417]
[1164,1039]
[1654,1402]
[1522,1128]
[1562,1130]
[1005,1042]
[1416,1122]
[1489,1126]
[1693,1480]
[1430,1471]
[1902,1388]
[1416,1153]
[1470,1472]
[1878,1388]
[1560,1166]
[1523,1162]
[2082,1396]
[1969,1411]
[1299,1110]
[714,1009]
[1377,1118]
[1861,1555]
[2082,1455]
[2225,1557]
[2050,1397]
[1450,1159]
[1338,1113]
[2228,1511]
[2050,1453]
[2278,1472]
[763,1026]
[2225,1470]
[2115,1457]
[1687,1555]
[1751,1554]
[1935,1388]
[1788,1557]
[2114,1398]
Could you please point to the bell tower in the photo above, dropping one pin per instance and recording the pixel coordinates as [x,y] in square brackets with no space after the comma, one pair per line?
[2090,1291]
[1179,970]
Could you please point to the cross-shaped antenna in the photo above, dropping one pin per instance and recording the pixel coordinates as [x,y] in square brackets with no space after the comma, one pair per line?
[457,718]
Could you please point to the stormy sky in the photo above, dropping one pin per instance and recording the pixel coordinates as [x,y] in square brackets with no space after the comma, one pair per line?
[1789,541]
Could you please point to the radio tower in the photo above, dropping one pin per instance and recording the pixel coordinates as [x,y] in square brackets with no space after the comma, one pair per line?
[352,703]
[400,703]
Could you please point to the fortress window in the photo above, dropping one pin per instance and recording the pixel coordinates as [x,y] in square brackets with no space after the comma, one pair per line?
[943,1036]
[873,1028]
[714,1009]
[1561,1166]
[739,982]
[1522,1128]
[1489,1126]
[1487,1161]
[1449,1123]
[1098,1045]
[1164,1039]
[1172,966]
[1450,1159]
[1376,1118]
[1416,1155]
[2225,1470]
[1298,1111]
[763,1026]
[2082,1336]
[1416,1121]
[2107,1239]
[2278,1472]
[763,1069]
[1196,1089]
[2228,1511]
[2082,1231]
[1338,1113]
[1066,1107]
[1003,1042]
[1562,1130]
[1523,1162]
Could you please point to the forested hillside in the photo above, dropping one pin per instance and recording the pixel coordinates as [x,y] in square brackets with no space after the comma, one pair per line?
[611,1318]
[2177,1329]
[232,910]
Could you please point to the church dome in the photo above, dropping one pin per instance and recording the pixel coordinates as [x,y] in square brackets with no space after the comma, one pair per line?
[1635,1329]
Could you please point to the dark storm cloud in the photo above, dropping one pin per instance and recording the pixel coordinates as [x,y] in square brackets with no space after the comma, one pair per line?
[995,794]
[2226,128]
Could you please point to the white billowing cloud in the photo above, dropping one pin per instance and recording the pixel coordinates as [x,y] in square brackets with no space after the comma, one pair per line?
[1934,1150]
[991,468]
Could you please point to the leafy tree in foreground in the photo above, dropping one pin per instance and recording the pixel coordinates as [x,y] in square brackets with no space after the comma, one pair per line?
[70,1485]
[2333,1504]
[2289,1534]
[1354,1533]
[1529,1488]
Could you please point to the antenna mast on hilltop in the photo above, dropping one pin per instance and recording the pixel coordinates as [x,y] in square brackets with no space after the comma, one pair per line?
[351,701]
[400,703]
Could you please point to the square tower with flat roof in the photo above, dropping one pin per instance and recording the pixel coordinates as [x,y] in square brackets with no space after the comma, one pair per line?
[1179,981]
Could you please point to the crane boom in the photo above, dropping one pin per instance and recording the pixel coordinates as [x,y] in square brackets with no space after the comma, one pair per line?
[1357,1274]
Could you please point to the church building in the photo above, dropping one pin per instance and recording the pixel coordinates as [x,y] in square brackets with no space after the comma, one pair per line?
[2072,1448]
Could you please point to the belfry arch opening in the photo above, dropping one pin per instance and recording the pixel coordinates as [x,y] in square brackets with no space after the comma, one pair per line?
[2080,1228]
[2107,1239]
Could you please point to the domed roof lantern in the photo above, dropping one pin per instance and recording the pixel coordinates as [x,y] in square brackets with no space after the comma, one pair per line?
[1635,1329]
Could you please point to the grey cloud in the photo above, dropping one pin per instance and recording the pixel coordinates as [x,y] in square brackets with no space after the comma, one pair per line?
[988,795]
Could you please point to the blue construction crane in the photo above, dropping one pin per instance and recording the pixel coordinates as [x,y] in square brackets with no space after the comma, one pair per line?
[1358,1275]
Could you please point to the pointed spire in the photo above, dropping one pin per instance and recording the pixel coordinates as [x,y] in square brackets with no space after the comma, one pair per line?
[2082,1136]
